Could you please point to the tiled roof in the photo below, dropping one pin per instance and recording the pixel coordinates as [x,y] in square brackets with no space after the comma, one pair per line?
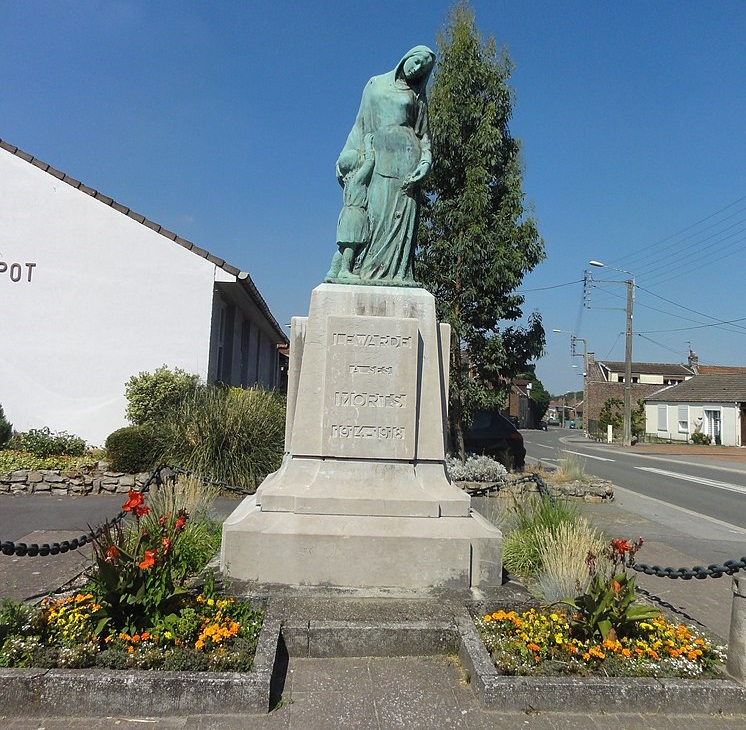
[720,369]
[242,276]
[649,368]
[724,388]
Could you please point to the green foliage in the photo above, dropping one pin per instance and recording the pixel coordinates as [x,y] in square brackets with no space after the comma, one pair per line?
[611,414]
[700,438]
[477,240]
[11,460]
[539,397]
[132,576]
[522,553]
[230,435]
[607,608]
[41,442]
[153,397]
[132,449]
[6,429]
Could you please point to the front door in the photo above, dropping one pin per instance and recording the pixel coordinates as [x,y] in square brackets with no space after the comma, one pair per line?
[713,425]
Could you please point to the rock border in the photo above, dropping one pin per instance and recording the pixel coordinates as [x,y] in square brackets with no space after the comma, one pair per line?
[97,480]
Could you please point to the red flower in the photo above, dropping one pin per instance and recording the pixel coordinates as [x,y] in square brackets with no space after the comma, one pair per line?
[134,500]
[181,519]
[166,544]
[112,553]
[148,559]
[140,511]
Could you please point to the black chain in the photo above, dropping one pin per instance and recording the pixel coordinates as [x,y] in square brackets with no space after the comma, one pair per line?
[21,549]
[714,570]
[208,480]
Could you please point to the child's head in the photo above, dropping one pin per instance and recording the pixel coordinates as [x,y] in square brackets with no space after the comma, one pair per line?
[348,162]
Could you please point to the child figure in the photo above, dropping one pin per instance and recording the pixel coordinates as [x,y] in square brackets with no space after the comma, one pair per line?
[352,226]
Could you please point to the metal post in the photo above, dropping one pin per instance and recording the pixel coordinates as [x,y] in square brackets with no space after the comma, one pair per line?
[737,640]
[628,366]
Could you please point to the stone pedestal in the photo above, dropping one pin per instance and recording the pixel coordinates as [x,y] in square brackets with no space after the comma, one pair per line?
[362,498]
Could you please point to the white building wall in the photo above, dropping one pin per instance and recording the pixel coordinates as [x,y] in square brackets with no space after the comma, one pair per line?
[730,425]
[98,297]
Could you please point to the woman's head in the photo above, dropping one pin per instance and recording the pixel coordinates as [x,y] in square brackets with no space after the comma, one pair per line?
[348,162]
[416,64]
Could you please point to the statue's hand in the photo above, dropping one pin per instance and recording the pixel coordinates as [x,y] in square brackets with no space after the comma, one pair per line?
[415,177]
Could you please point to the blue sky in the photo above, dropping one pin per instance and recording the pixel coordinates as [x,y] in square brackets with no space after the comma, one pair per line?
[223,120]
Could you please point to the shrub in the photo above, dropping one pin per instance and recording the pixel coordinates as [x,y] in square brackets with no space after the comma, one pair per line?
[521,549]
[570,469]
[131,449]
[6,429]
[153,397]
[43,443]
[475,469]
[229,435]
[11,460]
[563,553]
[700,438]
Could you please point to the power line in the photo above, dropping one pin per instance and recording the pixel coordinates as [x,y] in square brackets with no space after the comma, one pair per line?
[546,288]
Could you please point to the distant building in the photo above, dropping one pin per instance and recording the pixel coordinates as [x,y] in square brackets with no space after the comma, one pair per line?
[605,380]
[92,293]
[714,405]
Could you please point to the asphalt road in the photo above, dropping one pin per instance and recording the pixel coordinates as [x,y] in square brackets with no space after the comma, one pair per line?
[699,485]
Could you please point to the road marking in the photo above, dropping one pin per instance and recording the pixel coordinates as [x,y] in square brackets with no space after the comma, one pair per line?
[698,480]
[543,446]
[586,456]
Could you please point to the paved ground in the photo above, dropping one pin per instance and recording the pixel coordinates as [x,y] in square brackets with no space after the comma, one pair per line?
[378,693]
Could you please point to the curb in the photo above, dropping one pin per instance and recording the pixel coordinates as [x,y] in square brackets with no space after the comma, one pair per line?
[100,692]
[591,694]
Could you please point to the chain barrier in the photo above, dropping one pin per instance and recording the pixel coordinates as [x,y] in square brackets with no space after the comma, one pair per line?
[21,549]
[207,480]
[714,570]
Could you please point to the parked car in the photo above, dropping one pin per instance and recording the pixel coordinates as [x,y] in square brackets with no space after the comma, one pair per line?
[494,435]
[570,424]
[543,426]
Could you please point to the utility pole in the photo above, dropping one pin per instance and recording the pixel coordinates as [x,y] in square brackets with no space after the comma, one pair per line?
[627,436]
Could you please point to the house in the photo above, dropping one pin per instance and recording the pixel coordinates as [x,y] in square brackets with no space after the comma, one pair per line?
[605,379]
[92,293]
[713,404]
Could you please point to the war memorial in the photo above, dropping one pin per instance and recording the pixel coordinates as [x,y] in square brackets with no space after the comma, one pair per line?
[362,498]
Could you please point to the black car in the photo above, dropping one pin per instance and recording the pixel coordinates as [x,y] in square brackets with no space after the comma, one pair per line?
[494,435]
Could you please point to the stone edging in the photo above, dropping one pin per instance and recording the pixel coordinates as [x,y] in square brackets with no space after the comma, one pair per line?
[98,480]
[596,491]
[587,694]
[98,692]
[70,692]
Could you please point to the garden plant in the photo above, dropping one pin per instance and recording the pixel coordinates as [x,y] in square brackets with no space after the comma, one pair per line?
[138,609]
[602,631]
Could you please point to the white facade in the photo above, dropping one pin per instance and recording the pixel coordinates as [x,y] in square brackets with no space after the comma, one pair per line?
[91,294]
[678,421]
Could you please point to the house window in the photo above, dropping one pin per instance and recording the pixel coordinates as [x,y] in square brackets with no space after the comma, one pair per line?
[683,419]
[662,418]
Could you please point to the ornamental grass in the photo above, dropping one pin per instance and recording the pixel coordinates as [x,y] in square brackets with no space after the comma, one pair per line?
[542,642]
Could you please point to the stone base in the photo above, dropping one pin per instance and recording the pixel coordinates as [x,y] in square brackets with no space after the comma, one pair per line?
[372,488]
[360,551]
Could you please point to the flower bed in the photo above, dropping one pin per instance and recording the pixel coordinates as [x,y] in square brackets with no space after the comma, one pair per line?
[541,642]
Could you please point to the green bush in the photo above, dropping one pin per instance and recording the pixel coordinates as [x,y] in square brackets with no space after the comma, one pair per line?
[153,397]
[6,429]
[132,449]
[230,435]
[526,528]
[700,438]
[43,443]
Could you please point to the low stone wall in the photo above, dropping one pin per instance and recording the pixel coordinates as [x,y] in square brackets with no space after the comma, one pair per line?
[595,491]
[98,480]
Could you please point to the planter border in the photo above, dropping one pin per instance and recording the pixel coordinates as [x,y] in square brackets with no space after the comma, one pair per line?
[146,693]
[591,694]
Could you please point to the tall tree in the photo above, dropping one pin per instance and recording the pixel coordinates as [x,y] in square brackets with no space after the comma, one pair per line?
[477,238]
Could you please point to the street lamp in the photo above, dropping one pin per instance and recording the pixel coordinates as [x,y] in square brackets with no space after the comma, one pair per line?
[627,349]
[573,341]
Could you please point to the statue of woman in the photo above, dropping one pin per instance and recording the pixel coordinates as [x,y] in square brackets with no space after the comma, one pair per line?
[394,110]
